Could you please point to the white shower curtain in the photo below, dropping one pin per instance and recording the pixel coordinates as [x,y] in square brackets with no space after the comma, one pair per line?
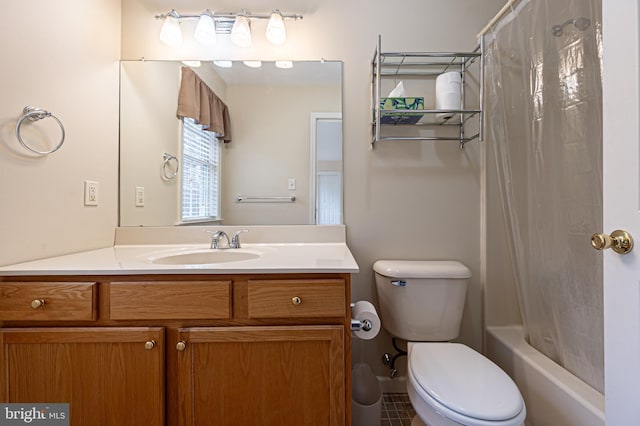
[544,122]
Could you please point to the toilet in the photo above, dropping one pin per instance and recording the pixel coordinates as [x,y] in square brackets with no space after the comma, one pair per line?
[448,383]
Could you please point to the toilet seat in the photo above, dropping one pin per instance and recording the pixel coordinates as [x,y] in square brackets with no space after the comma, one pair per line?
[463,386]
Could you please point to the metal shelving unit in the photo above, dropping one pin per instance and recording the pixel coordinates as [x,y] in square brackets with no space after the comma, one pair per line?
[424,65]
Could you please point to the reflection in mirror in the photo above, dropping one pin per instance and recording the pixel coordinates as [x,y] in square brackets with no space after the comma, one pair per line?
[286,128]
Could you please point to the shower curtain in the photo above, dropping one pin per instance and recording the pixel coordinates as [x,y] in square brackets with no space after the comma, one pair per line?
[543,115]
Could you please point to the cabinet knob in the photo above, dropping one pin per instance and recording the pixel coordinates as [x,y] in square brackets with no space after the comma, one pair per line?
[37,303]
[296,300]
[181,346]
[149,344]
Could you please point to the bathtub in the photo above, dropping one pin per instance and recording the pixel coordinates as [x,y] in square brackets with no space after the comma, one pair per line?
[553,396]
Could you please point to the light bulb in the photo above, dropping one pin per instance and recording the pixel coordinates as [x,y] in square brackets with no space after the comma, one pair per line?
[284,64]
[276,31]
[241,32]
[223,64]
[205,33]
[170,33]
[253,64]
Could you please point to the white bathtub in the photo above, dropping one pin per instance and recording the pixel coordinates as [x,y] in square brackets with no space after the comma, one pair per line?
[553,396]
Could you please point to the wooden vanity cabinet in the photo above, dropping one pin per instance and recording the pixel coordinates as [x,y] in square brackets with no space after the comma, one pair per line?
[52,351]
[280,375]
[182,350]
[108,375]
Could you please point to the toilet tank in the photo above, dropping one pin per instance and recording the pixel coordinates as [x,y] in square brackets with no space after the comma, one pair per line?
[421,300]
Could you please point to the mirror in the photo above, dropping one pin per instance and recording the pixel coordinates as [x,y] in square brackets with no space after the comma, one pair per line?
[282,167]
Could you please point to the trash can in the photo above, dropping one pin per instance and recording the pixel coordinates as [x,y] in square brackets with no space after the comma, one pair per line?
[366,395]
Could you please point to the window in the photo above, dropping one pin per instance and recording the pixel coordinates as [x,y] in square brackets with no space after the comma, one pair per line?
[200,173]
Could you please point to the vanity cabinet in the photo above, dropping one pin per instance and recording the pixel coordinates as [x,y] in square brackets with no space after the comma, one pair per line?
[108,375]
[274,375]
[260,349]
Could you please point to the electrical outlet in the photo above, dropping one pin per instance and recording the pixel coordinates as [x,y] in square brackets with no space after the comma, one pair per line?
[291,184]
[139,196]
[91,193]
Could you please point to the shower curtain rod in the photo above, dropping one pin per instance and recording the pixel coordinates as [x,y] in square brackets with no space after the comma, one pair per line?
[499,15]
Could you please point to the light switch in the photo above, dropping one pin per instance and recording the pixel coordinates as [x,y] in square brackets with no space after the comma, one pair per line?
[291,184]
[139,196]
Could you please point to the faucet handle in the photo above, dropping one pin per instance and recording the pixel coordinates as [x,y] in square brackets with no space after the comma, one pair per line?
[235,241]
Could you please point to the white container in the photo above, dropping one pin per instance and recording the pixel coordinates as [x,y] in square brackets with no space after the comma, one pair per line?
[366,415]
[448,93]
[366,404]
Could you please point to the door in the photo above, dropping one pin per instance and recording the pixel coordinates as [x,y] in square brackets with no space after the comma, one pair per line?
[621,210]
[326,168]
[261,376]
[108,376]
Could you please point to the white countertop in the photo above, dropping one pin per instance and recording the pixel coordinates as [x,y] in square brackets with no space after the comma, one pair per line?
[138,259]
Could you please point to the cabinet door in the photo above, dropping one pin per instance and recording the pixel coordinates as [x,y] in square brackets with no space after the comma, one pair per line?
[262,376]
[109,376]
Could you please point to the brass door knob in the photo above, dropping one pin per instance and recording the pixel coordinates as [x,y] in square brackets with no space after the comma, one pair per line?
[149,344]
[619,241]
[181,346]
[296,300]
[37,303]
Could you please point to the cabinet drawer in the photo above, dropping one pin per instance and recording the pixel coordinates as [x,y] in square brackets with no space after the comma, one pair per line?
[170,300]
[47,301]
[295,298]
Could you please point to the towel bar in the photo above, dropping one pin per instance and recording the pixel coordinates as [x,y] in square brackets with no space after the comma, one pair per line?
[275,199]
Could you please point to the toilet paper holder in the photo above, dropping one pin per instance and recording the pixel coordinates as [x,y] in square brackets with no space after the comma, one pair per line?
[357,324]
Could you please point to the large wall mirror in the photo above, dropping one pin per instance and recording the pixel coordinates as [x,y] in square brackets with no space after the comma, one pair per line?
[282,167]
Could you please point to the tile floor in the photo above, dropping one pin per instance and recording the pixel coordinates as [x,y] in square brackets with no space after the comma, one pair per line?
[396,410]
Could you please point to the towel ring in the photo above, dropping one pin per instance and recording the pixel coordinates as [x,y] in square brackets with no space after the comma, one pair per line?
[167,158]
[36,114]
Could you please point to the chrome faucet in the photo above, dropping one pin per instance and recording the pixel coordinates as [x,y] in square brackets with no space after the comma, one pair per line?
[235,241]
[215,240]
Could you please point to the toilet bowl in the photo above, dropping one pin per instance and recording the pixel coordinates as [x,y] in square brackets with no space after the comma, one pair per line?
[451,384]
[448,383]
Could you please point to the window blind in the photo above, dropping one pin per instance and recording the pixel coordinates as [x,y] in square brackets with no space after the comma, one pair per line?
[200,173]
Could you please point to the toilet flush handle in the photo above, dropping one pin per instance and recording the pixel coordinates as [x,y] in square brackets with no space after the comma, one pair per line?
[399,283]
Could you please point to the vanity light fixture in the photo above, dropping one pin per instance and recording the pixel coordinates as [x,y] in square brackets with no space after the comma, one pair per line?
[205,33]
[241,32]
[235,24]
[223,64]
[253,64]
[192,64]
[170,33]
[276,31]
[284,64]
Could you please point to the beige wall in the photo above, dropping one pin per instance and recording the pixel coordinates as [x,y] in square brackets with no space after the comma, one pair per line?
[63,57]
[149,128]
[269,148]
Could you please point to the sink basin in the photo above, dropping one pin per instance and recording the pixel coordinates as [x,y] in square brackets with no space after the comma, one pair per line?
[205,257]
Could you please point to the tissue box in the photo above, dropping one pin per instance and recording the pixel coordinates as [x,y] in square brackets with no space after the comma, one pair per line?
[404,104]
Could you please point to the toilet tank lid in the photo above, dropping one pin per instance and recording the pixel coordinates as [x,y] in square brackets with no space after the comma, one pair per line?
[421,269]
